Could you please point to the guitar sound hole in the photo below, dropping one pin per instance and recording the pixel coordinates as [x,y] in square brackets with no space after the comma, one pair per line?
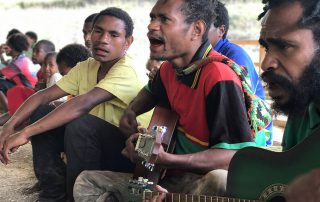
[277,199]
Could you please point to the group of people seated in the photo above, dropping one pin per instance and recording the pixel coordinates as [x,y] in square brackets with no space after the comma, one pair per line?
[210,83]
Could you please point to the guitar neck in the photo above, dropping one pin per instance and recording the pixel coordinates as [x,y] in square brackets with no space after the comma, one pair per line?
[175,197]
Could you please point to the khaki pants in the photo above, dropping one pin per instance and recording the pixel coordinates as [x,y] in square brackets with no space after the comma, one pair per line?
[101,185]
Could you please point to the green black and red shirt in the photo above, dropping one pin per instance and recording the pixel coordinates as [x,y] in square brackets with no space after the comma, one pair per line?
[209,101]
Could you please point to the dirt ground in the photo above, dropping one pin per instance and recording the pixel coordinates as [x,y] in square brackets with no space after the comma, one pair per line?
[17,177]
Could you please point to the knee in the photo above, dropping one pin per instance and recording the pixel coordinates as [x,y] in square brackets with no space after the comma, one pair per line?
[213,183]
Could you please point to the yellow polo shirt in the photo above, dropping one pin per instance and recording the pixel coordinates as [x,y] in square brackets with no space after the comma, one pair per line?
[121,80]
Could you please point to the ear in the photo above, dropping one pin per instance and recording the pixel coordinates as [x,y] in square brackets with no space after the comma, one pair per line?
[199,28]
[222,30]
[128,42]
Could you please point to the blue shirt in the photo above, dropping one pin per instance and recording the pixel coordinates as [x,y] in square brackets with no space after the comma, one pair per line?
[239,55]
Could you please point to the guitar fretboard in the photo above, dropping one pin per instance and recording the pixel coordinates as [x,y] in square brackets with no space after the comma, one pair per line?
[174,197]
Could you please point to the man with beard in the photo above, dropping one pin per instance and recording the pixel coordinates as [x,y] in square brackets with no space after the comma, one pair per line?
[197,83]
[291,35]
[85,127]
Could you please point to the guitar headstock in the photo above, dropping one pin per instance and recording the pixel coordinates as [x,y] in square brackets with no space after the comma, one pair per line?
[137,188]
[148,145]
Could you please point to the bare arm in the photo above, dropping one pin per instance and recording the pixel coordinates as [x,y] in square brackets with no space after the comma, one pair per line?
[143,102]
[200,162]
[69,111]
[27,108]
[140,104]
[61,115]
[32,103]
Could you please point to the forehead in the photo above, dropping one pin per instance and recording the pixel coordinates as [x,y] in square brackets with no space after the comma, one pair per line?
[40,46]
[282,20]
[109,23]
[87,26]
[167,7]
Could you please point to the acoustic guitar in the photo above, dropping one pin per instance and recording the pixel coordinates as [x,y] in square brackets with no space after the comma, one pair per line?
[256,173]
[160,132]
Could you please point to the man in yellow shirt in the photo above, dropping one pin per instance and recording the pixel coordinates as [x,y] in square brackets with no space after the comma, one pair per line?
[85,127]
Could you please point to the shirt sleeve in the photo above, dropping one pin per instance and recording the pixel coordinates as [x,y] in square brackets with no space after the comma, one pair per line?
[70,82]
[227,117]
[122,82]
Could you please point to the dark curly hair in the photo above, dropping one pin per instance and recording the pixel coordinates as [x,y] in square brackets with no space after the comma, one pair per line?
[120,14]
[47,45]
[12,32]
[72,54]
[310,18]
[18,42]
[32,35]
[222,18]
[90,18]
[195,10]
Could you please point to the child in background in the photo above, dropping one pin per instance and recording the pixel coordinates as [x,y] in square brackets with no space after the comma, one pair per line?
[67,58]
[51,69]
[52,73]
[70,55]
[153,66]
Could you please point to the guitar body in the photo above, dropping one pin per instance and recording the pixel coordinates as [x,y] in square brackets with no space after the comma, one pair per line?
[256,173]
[161,117]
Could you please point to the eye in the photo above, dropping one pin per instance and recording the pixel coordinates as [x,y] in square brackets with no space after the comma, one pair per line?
[164,19]
[152,18]
[96,30]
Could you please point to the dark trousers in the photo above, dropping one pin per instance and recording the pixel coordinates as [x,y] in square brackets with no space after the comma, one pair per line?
[90,143]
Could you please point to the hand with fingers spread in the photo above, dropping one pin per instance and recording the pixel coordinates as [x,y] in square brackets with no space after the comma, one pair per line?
[128,122]
[11,144]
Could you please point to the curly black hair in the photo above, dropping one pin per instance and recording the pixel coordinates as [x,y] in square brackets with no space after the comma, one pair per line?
[120,14]
[18,42]
[32,35]
[310,18]
[47,45]
[72,54]
[195,10]
[90,18]
[12,32]
[222,17]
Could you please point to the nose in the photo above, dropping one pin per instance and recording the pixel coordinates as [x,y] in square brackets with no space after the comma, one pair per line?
[153,25]
[87,36]
[105,37]
[269,62]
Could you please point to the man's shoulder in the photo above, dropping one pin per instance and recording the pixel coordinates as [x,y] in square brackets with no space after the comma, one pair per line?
[125,62]
[86,64]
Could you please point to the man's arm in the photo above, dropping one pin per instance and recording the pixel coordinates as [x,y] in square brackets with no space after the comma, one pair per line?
[69,111]
[27,108]
[140,104]
[63,114]
[200,162]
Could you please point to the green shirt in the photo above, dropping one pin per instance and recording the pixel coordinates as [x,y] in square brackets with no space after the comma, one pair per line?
[301,126]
